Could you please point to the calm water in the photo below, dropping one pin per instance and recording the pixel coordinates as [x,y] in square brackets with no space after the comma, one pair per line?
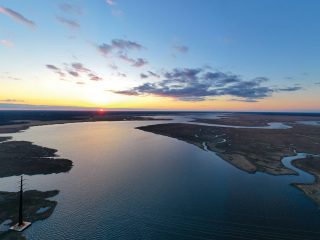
[130,184]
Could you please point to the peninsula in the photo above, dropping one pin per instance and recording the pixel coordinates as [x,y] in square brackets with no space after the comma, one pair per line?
[253,149]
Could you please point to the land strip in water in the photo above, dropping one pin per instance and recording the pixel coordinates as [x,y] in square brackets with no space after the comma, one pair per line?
[253,149]
[257,120]
[33,201]
[15,121]
[21,157]
[311,165]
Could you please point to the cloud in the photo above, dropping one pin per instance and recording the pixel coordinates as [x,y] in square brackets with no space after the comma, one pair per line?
[55,70]
[11,100]
[114,9]
[80,68]
[80,83]
[17,16]
[8,76]
[6,43]
[289,89]
[94,77]
[198,84]
[113,66]
[122,74]
[75,69]
[70,8]
[119,48]
[110,2]
[180,48]
[52,67]
[69,23]
[125,44]
[139,62]
[243,100]
[17,106]
[142,75]
[73,73]
[317,83]
[105,49]
[153,74]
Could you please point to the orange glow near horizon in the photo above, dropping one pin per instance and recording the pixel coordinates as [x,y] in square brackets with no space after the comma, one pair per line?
[81,99]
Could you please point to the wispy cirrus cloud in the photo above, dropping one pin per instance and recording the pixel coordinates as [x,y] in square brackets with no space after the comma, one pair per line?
[16,16]
[6,43]
[70,8]
[11,100]
[114,8]
[120,74]
[289,89]
[68,22]
[180,48]
[110,2]
[113,66]
[198,84]
[7,75]
[148,74]
[153,74]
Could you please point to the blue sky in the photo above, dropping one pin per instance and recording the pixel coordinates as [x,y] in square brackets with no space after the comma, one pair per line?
[269,48]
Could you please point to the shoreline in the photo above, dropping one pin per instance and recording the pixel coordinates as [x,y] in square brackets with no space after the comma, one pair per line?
[310,165]
[257,120]
[251,150]
[19,158]
[14,128]
[33,201]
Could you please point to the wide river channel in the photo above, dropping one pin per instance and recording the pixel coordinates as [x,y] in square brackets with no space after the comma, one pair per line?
[130,184]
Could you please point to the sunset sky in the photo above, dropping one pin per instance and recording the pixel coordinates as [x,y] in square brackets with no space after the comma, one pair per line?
[243,55]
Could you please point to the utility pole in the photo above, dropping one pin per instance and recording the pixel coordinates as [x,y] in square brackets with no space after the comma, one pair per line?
[21,203]
[21,225]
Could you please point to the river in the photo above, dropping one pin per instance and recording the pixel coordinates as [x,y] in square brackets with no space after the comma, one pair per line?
[130,184]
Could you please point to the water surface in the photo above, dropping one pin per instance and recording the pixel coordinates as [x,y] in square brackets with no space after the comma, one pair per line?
[130,184]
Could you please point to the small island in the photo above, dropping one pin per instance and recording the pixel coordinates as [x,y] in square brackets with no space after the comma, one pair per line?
[21,157]
[37,207]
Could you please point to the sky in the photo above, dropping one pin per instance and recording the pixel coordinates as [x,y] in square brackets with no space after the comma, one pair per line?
[219,55]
